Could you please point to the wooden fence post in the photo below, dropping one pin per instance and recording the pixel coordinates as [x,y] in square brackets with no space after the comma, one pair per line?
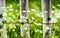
[24,19]
[2,20]
[46,6]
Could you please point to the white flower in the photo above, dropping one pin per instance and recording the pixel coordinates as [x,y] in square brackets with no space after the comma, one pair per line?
[57,15]
[53,6]
[52,12]
[39,24]
[11,9]
[58,5]
[16,10]
[11,25]
[4,18]
[37,14]
[42,14]
[4,14]
[33,10]
[10,5]
[33,18]
[36,30]
[40,31]
[29,11]
[53,20]
[13,30]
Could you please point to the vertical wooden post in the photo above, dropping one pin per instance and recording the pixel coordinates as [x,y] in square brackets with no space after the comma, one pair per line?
[24,19]
[46,18]
[2,20]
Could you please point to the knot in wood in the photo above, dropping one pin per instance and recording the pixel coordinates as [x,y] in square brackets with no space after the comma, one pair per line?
[48,18]
[0,15]
[22,23]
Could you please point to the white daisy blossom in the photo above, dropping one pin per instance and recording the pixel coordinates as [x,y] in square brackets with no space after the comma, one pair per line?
[52,11]
[10,5]
[33,10]
[37,15]
[4,14]
[13,30]
[39,24]
[28,11]
[33,18]
[36,30]
[57,15]
[53,20]
[53,6]
[58,5]
[4,18]
[40,31]
[11,25]
[16,10]
[42,14]
[11,9]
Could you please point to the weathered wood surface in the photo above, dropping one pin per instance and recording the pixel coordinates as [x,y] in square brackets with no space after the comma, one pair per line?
[2,12]
[24,19]
[46,6]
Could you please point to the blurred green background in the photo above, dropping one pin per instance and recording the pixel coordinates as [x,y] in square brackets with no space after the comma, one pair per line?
[35,18]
